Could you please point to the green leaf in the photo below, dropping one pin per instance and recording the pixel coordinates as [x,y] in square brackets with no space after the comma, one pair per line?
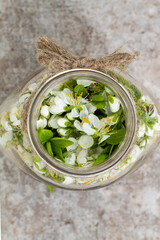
[116,137]
[45,135]
[97,101]
[35,159]
[69,84]
[47,173]
[136,91]
[40,169]
[80,90]
[98,104]
[110,99]
[101,158]
[50,188]
[49,148]
[106,149]
[97,98]
[61,142]
[58,151]
[111,149]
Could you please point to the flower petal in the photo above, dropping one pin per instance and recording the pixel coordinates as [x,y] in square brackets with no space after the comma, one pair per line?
[45,111]
[85,141]
[53,122]
[63,122]
[115,106]
[70,159]
[67,96]
[6,125]
[74,113]
[84,82]
[55,109]
[109,120]
[95,121]
[107,109]
[24,97]
[41,123]
[88,129]
[150,132]
[104,138]
[32,87]
[68,180]
[74,145]
[141,131]
[84,113]
[59,102]
[16,123]
[81,158]
[77,125]
[90,108]
[13,114]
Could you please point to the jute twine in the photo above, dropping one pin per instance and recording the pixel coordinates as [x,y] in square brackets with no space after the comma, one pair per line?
[53,56]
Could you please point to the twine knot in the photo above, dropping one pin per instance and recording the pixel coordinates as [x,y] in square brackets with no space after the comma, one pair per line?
[53,56]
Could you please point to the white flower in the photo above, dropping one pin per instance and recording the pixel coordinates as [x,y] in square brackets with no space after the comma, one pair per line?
[84,82]
[88,120]
[84,112]
[73,114]
[104,137]
[26,142]
[58,107]
[81,157]
[65,98]
[157,127]
[147,99]
[97,152]
[63,122]
[41,123]
[24,97]
[79,148]
[14,116]
[85,141]
[114,103]
[110,120]
[68,180]
[32,87]
[74,145]
[45,111]
[90,108]
[141,131]
[64,131]
[107,109]
[4,122]
[20,148]
[150,132]
[53,122]
[135,153]
[70,159]
[85,127]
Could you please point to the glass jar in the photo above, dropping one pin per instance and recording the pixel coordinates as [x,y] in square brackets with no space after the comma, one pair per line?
[18,136]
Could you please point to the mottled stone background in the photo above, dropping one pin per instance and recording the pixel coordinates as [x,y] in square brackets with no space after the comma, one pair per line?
[127,210]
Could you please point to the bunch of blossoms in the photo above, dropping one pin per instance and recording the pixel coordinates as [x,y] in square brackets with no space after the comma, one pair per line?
[74,117]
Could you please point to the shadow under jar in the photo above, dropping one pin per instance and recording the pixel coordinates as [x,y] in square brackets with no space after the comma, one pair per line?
[19,137]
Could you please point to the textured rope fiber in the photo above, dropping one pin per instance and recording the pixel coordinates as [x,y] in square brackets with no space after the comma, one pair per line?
[53,56]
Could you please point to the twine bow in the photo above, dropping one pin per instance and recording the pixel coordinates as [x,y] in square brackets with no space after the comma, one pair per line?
[53,56]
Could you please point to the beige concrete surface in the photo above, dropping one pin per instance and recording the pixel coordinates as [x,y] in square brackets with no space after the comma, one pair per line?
[128,210]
